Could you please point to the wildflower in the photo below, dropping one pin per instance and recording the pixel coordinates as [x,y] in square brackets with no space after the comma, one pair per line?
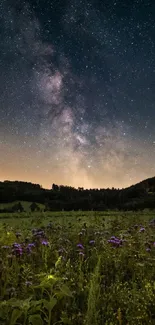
[45,242]
[142,229]
[148,249]
[81,253]
[17,249]
[38,232]
[116,242]
[81,256]
[80,246]
[92,242]
[16,245]
[30,245]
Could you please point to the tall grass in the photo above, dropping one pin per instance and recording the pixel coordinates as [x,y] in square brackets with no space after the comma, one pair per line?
[74,272]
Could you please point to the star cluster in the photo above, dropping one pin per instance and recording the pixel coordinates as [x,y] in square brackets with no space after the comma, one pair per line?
[77,83]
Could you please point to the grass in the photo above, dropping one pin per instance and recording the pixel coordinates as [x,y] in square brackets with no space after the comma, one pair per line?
[47,278]
[25,204]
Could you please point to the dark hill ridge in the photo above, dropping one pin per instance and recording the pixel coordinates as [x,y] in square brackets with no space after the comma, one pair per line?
[148,184]
[138,196]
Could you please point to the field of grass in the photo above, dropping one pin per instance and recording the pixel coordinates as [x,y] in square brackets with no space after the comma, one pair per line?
[25,204]
[77,268]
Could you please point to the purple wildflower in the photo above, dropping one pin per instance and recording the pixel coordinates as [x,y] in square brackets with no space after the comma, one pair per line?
[45,242]
[31,245]
[116,242]
[148,249]
[92,242]
[80,246]
[142,229]
[81,253]
[17,249]
[16,245]
[38,232]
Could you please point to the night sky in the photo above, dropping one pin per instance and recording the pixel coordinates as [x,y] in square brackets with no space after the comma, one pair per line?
[77,92]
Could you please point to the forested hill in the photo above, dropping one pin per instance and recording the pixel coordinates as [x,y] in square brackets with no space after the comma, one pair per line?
[138,196]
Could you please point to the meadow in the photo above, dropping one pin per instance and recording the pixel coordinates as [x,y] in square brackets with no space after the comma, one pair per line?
[78,268]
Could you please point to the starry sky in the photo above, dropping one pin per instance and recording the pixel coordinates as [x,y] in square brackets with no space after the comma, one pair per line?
[77,92]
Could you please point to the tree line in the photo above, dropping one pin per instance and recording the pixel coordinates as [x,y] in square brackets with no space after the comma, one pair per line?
[139,196]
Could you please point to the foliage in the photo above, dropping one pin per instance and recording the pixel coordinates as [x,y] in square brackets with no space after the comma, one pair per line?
[81,268]
[67,198]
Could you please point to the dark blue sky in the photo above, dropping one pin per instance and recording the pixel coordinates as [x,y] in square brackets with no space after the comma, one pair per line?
[77,90]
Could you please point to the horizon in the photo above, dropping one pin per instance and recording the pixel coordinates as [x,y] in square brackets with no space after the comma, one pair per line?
[65,185]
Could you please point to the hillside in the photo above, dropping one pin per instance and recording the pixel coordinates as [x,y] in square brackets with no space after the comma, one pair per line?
[147,184]
[138,196]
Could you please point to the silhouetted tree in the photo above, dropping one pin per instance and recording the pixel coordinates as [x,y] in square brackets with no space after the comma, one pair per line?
[34,207]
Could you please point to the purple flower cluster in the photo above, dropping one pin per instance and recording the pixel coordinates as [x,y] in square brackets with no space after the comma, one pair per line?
[17,249]
[38,233]
[81,248]
[29,247]
[115,241]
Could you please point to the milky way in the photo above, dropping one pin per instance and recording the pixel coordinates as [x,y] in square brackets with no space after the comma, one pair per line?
[77,90]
